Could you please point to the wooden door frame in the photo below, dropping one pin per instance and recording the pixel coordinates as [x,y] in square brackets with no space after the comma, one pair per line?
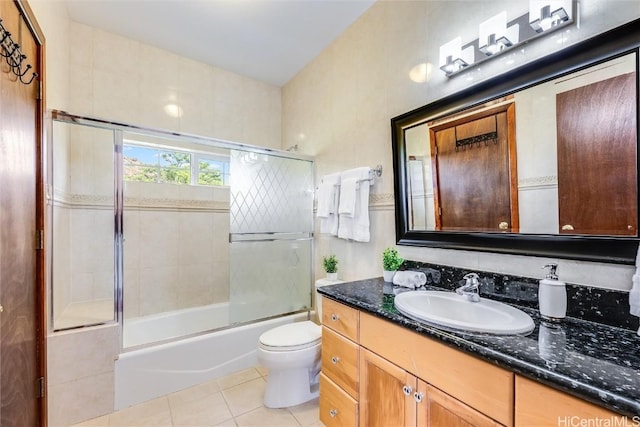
[40,286]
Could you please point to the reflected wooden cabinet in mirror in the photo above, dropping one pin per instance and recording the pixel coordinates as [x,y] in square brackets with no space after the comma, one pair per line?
[541,160]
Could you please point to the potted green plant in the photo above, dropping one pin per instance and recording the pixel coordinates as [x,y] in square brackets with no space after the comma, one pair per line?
[330,264]
[391,261]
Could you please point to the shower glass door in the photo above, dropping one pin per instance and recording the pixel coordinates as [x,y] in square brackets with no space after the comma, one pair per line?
[174,235]
[271,214]
[81,206]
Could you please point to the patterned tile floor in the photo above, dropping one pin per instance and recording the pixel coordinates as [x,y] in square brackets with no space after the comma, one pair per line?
[234,400]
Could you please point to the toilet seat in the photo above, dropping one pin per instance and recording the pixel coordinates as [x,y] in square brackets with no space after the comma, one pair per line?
[294,336]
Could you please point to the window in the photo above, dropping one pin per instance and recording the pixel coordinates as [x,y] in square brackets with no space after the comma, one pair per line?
[212,170]
[163,165]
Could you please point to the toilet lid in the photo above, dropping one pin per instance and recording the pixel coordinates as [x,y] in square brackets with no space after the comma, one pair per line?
[292,336]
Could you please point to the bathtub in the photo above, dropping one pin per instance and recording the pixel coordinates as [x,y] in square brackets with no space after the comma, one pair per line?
[174,324]
[154,371]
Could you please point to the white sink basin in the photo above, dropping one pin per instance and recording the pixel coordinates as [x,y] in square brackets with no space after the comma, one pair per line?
[450,310]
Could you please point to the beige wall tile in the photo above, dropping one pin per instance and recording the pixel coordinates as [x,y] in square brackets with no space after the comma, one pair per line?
[81,399]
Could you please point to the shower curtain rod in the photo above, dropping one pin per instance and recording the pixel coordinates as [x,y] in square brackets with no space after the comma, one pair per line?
[64,116]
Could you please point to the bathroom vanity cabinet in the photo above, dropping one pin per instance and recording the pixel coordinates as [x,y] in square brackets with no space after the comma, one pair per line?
[407,379]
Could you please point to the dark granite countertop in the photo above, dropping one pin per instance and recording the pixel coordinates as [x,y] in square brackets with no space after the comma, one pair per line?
[593,361]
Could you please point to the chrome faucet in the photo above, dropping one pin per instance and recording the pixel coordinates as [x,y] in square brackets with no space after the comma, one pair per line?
[470,290]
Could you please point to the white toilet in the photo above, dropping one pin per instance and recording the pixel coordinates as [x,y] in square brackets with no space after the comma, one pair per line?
[292,354]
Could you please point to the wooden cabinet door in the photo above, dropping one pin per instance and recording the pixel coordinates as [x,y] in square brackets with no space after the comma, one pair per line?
[386,393]
[438,409]
[21,213]
[596,126]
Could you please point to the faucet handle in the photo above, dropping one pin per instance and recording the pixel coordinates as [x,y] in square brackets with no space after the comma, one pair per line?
[471,278]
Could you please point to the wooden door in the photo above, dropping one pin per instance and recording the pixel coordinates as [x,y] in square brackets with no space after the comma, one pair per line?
[438,409]
[596,126]
[475,176]
[22,359]
[383,401]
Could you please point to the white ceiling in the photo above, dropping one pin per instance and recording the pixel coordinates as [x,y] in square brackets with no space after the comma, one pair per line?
[268,40]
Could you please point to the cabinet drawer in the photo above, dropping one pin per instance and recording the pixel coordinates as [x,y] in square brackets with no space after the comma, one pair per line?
[340,361]
[538,405]
[337,408]
[340,318]
[481,385]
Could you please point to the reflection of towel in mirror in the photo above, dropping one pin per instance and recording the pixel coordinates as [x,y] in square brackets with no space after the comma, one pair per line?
[327,210]
[634,295]
[409,279]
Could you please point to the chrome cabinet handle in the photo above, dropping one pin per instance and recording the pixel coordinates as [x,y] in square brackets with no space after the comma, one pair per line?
[407,390]
[335,317]
[335,360]
[503,225]
[417,396]
[333,413]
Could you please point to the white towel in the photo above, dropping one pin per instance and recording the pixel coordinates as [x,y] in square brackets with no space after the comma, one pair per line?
[327,209]
[409,279]
[348,196]
[634,295]
[356,227]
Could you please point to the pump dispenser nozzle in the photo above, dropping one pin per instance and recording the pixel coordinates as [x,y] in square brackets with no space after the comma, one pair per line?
[552,273]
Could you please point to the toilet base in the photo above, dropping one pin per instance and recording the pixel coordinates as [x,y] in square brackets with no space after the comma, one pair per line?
[290,387]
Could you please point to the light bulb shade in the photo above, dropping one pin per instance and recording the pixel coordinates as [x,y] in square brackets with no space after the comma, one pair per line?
[452,49]
[453,58]
[546,14]
[492,29]
[495,35]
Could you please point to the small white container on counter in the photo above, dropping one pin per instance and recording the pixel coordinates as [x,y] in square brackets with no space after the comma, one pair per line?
[552,295]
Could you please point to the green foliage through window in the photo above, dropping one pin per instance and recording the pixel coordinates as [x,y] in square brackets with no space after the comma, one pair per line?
[174,167]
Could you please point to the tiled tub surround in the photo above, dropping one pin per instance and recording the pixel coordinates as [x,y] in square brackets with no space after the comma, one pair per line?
[594,361]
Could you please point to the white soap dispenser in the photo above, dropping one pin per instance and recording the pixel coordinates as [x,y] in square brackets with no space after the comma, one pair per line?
[552,295]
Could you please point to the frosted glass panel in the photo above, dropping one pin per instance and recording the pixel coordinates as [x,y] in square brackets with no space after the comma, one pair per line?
[269,278]
[270,194]
[271,228]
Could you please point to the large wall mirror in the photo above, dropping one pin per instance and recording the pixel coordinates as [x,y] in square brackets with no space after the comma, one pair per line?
[542,160]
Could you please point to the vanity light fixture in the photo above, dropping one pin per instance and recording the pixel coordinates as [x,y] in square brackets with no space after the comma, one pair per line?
[545,14]
[495,36]
[453,58]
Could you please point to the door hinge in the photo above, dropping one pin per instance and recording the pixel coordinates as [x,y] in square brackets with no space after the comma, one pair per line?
[41,387]
[39,96]
[439,211]
[39,240]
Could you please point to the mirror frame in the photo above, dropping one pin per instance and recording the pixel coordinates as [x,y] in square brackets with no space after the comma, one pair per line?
[614,43]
